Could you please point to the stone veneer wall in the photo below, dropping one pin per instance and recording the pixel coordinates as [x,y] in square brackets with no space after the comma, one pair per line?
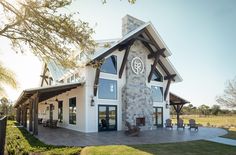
[136,96]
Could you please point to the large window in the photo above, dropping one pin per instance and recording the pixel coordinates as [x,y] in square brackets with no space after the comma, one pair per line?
[157,93]
[110,65]
[72,110]
[156,76]
[60,111]
[107,89]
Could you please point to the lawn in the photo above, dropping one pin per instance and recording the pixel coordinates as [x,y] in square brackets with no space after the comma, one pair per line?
[183,148]
[20,141]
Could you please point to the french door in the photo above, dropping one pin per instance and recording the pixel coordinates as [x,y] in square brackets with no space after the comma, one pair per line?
[158,116]
[107,117]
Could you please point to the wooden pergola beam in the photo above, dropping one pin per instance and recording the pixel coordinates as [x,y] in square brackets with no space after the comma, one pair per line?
[96,81]
[122,67]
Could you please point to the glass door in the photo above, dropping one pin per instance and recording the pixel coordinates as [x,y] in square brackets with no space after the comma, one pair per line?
[107,117]
[158,116]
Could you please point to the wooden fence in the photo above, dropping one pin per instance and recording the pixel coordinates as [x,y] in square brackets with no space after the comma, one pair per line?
[3,124]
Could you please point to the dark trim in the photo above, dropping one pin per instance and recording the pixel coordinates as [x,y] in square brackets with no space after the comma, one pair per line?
[163,67]
[157,57]
[107,114]
[171,77]
[96,81]
[167,89]
[157,117]
[124,60]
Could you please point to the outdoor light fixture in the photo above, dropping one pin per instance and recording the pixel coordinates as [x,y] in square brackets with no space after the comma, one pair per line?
[45,103]
[56,100]
[167,106]
[92,103]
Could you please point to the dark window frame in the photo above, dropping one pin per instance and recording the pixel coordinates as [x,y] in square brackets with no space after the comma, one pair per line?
[162,94]
[157,73]
[72,112]
[103,70]
[116,89]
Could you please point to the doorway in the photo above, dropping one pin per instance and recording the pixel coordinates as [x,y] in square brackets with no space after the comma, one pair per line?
[158,116]
[107,117]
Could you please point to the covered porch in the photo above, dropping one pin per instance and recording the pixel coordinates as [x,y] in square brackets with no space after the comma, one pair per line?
[66,137]
[177,103]
[27,104]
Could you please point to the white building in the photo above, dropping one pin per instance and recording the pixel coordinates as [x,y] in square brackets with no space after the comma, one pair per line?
[131,85]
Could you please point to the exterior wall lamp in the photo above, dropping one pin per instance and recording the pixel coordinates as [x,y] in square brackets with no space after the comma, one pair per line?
[92,102]
[167,105]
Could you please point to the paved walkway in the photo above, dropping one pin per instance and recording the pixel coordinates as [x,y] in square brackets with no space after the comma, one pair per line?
[221,140]
[61,136]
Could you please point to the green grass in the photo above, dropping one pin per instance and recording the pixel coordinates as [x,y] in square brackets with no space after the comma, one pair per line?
[231,133]
[20,141]
[183,148]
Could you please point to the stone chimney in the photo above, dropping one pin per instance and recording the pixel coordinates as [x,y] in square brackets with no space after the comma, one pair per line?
[130,23]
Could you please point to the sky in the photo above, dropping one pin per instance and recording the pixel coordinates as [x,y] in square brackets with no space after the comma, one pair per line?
[200,34]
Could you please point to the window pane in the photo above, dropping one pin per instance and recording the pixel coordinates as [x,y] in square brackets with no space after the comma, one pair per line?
[60,111]
[156,76]
[157,93]
[107,89]
[110,65]
[72,110]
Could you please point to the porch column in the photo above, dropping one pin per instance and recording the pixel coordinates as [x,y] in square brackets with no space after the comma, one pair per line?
[35,113]
[21,115]
[17,114]
[30,115]
[177,112]
[25,117]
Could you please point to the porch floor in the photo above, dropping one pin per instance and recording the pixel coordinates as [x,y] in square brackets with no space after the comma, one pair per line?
[66,137]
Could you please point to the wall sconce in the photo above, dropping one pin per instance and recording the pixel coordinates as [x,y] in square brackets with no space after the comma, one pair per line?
[167,106]
[56,100]
[45,103]
[92,103]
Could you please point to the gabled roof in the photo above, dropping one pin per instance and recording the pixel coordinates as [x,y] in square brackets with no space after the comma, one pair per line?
[56,70]
[176,100]
[146,30]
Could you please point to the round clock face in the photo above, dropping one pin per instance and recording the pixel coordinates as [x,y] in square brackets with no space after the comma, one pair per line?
[137,65]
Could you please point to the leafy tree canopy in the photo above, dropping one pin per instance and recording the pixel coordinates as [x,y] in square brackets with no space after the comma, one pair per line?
[49,34]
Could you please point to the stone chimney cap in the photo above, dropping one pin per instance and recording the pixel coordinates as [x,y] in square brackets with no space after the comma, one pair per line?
[130,23]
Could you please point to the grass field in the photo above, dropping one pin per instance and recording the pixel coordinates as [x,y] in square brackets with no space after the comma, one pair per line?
[213,121]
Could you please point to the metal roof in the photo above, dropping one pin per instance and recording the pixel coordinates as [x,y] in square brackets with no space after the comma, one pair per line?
[46,92]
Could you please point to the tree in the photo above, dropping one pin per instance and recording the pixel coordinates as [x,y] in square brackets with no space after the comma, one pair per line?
[39,26]
[6,77]
[215,109]
[228,99]
[204,109]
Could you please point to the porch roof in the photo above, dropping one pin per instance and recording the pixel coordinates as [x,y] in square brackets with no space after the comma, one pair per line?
[176,100]
[46,92]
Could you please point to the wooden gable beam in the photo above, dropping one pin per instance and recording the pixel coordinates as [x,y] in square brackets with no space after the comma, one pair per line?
[145,40]
[152,55]
[170,78]
[44,72]
[163,67]
[122,67]
[96,81]
[152,39]
[157,57]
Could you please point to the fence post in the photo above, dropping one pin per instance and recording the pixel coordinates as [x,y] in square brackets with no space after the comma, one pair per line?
[3,124]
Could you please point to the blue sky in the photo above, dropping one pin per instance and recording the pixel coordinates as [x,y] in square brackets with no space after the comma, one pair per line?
[200,34]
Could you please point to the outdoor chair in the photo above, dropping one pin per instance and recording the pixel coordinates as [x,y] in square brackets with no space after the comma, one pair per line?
[180,124]
[45,123]
[192,124]
[53,124]
[132,130]
[169,124]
